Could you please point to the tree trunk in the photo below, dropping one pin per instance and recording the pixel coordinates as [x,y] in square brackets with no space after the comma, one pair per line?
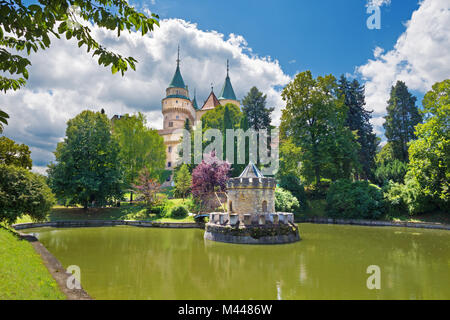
[131,196]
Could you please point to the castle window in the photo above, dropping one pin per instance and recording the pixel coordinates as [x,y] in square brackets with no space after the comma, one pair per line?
[169,164]
[264,206]
[168,178]
[178,117]
[170,149]
[170,124]
[230,206]
[176,101]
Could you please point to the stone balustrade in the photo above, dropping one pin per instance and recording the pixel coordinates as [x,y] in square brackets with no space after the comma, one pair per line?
[221,218]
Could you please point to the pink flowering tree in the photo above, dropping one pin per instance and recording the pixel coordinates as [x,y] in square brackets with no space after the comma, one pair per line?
[209,176]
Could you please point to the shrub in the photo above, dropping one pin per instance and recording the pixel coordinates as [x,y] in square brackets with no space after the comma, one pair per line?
[23,192]
[318,191]
[285,201]
[394,170]
[408,198]
[354,200]
[178,212]
[291,183]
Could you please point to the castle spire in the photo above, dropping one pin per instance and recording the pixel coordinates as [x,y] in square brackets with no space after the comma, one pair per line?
[227,92]
[177,80]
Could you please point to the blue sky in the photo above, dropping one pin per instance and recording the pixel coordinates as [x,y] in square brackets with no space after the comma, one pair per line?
[267,43]
[327,36]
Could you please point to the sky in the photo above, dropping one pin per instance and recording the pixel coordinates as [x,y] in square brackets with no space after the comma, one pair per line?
[267,43]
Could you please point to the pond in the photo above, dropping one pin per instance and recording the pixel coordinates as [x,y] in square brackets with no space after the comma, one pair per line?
[330,262]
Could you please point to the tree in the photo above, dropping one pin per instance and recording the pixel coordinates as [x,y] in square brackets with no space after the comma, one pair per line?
[147,186]
[214,119]
[209,176]
[87,169]
[358,120]
[254,107]
[430,153]
[139,147]
[314,120]
[14,154]
[23,192]
[183,181]
[29,27]
[402,116]
[3,121]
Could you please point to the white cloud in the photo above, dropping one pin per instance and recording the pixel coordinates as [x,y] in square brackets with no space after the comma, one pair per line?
[377,3]
[420,58]
[65,80]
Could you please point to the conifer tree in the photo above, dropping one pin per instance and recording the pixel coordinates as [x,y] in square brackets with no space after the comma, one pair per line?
[358,119]
[402,116]
[254,107]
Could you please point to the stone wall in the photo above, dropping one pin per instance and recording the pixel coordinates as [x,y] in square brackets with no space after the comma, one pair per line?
[251,196]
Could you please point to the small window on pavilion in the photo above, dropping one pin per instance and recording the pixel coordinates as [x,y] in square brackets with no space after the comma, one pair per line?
[264,206]
[170,124]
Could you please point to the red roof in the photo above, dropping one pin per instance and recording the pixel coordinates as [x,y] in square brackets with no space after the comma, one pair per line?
[211,102]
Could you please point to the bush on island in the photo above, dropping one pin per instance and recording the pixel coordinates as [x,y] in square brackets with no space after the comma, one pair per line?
[285,201]
[292,183]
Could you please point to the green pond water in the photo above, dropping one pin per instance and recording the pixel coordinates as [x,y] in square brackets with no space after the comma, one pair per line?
[329,263]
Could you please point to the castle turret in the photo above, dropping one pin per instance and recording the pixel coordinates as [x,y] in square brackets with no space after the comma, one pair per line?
[227,94]
[176,108]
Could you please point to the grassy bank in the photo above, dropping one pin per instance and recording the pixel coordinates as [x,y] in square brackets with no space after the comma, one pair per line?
[125,212]
[23,275]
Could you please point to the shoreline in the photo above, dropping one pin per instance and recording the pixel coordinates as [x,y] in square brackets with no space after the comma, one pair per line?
[186,225]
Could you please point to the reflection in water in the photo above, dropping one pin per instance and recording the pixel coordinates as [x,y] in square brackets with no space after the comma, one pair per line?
[329,263]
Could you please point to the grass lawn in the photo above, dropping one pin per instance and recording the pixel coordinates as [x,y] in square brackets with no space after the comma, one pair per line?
[23,275]
[126,211]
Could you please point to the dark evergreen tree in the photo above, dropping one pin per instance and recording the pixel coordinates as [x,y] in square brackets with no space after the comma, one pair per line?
[187,125]
[254,107]
[227,124]
[402,116]
[358,119]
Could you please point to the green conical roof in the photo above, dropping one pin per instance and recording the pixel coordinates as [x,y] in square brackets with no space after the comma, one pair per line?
[177,80]
[194,103]
[227,90]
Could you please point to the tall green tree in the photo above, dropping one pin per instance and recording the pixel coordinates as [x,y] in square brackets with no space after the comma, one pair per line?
[14,154]
[358,120]
[87,169]
[23,192]
[314,118]
[140,147]
[402,116]
[430,153]
[183,180]
[29,26]
[254,107]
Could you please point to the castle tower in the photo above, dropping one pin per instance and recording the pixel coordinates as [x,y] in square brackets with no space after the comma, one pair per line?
[227,94]
[176,108]
[251,216]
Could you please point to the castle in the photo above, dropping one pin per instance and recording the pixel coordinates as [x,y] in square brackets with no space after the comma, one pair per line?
[177,107]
